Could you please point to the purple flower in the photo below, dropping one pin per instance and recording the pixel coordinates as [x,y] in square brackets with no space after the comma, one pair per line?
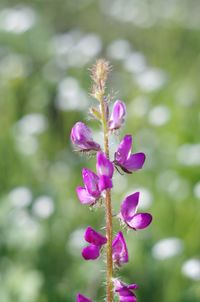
[105,171]
[119,250]
[81,137]
[117,116]
[129,216]
[125,160]
[90,193]
[125,291]
[81,298]
[96,240]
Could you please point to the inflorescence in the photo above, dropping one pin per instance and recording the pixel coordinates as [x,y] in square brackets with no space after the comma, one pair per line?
[97,186]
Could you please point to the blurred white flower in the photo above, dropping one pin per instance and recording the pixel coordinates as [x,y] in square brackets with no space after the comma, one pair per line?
[43,207]
[75,49]
[145,198]
[14,66]
[70,95]
[197,190]
[135,62]
[17,20]
[119,49]
[33,123]
[151,79]
[191,269]
[167,248]
[188,154]
[76,241]
[26,144]
[159,115]
[139,106]
[20,196]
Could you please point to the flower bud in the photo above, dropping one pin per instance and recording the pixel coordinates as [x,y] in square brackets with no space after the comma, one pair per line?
[117,116]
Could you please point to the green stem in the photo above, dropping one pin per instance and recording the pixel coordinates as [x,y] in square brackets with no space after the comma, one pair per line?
[108,209]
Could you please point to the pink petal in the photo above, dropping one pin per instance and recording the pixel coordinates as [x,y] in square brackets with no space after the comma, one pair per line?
[124,149]
[84,196]
[91,180]
[94,237]
[81,298]
[105,183]
[91,252]
[129,206]
[134,162]
[140,221]
[119,249]
[104,166]
[117,115]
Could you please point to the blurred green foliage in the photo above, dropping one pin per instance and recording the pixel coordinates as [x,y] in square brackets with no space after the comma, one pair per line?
[46,48]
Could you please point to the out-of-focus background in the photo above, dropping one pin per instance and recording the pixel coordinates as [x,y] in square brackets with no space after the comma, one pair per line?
[46,48]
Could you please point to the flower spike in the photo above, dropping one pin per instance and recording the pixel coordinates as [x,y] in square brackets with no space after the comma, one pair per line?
[125,160]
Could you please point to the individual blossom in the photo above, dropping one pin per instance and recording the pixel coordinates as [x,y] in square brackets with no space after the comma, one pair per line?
[118,114]
[119,250]
[81,137]
[90,193]
[96,241]
[125,160]
[105,171]
[81,298]
[128,213]
[125,291]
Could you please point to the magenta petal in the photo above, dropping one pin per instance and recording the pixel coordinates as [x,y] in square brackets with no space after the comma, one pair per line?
[84,196]
[104,166]
[128,298]
[129,206]
[81,298]
[81,137]
[105,183]
[124,149]
[117,115]
[134,162]
[140,221]
[91,180]
[94,237]
[91,252]
[119,250]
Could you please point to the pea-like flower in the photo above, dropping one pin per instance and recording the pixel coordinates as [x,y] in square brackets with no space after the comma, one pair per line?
[90,193]
[125,160]
[81,298]
[119,250]
[96,241]
[81,137]
[128,213]
[105,171]
[95,184]
[125,291]
[118,114]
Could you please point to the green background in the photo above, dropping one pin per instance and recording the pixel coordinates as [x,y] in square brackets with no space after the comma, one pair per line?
[46,48]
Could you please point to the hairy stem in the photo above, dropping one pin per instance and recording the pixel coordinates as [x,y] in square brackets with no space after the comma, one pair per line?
[108,207]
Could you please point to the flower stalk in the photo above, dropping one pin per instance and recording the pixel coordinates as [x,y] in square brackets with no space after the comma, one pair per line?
[98,186]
